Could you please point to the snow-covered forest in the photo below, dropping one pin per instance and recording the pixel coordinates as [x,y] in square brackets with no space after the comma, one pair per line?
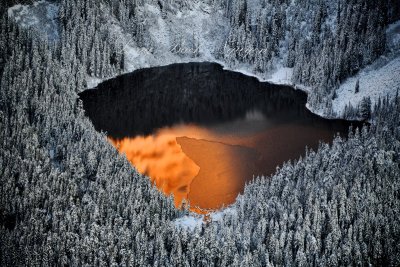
[68,199]
[323,41]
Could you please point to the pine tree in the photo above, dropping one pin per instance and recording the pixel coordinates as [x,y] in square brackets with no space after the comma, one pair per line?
[357,87]
[365,108]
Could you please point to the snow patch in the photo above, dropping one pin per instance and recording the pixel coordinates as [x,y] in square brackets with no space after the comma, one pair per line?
[282,76]
[378,80]
[190,222]
[42,16]
[219,215]
[92,82]
[374,82]
[194,221]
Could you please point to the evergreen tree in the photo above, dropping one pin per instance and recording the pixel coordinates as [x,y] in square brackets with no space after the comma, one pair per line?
[357,87]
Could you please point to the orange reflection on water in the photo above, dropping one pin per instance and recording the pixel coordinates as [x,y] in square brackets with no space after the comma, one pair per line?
[192,163]
[161,158]
[209,168]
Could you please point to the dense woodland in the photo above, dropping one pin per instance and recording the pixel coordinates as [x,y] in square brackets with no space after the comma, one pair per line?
[324,41]
[68,199]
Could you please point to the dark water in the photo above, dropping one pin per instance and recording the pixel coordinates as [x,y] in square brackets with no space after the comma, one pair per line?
[200,132]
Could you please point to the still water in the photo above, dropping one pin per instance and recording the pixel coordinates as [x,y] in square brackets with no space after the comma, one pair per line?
[200,132]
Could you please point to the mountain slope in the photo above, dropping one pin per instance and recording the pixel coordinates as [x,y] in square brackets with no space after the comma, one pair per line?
[263,43]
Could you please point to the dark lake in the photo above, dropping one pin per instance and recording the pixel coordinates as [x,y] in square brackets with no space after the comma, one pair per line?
[200,132]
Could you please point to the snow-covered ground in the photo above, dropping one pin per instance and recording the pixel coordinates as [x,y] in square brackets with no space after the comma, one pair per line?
[42,16]
[379,79]
[191,222]
[374,82]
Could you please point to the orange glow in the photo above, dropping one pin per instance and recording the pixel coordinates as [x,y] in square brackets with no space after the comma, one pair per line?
[162,159]
[208,168]
[224,170]
[183,162]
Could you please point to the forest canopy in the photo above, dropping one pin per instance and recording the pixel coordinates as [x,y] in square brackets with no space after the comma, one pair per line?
[68,199]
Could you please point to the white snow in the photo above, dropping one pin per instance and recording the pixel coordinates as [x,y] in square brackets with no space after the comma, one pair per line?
[380,79]
[92,82]
[189,222]
[42,16]
[282,75]
[193,221]
[219,215]
[166,33]
[374,82]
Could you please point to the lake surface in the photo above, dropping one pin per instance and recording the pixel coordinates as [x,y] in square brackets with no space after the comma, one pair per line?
[200,132]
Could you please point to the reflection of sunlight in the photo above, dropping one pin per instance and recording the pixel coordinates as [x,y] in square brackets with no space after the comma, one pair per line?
[162,159]
[209,168]
[224,170]
[174,157]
